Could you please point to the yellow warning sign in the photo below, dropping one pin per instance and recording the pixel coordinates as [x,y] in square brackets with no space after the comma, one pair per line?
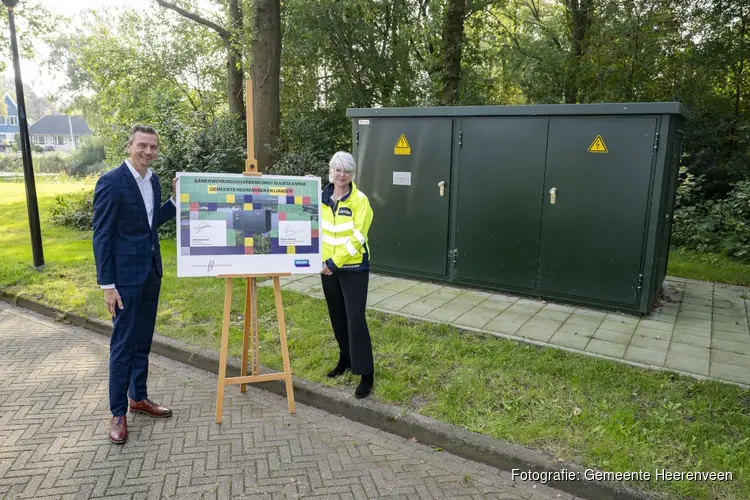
[598,146]
[402,146]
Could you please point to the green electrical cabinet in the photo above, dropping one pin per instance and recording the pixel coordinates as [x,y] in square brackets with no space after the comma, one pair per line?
[571,203]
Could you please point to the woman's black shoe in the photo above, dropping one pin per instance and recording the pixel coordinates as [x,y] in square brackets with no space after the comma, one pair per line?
[340,369]
[365,386]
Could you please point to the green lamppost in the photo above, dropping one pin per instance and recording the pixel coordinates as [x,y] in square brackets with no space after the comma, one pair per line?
[28,169]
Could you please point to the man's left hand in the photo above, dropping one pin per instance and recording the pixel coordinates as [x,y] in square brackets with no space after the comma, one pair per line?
[326,271]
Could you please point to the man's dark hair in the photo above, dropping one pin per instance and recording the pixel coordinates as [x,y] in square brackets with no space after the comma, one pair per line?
[145,129]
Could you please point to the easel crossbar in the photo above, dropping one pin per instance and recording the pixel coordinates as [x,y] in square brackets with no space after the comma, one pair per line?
[268,377]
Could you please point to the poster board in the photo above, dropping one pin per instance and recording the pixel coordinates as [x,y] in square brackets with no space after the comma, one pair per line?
[236,224]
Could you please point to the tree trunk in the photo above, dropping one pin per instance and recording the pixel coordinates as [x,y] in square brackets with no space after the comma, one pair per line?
[266,52]
[579,15]
[235,72]
[453,37]
[739,76]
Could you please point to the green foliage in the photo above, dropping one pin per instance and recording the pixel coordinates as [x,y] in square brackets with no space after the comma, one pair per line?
[44,163]
[88,158]
[152,67]
[219,147]
[302,162]
[261,244]
[713,225]
[75,211]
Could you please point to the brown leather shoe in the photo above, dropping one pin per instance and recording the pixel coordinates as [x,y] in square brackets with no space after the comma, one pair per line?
[149,408]
[118,430]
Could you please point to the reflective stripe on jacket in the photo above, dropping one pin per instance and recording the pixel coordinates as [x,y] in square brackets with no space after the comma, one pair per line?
[344,226]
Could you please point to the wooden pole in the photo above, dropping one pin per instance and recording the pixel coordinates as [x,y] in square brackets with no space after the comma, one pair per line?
[251,164]
[246,332]
[284,348]
[224,348]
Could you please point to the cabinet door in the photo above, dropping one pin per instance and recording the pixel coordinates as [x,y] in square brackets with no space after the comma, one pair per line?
[410,222]
[592,239]
[499,189]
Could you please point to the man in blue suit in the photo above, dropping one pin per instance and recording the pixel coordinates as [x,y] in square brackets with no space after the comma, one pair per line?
[129,270]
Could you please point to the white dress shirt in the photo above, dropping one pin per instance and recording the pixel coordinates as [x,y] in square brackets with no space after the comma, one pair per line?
[147,192]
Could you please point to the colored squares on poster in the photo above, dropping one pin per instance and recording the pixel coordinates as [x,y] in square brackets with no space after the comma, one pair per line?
[194,206]
[248,206]
[282,215]
[306,200]
[290,249]
[290,200]
[185,197]
[248,198]
[248,242]
[230,198]
[298,200]
[249,250]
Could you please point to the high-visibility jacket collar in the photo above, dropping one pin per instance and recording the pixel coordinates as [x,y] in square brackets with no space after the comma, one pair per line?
[328,193]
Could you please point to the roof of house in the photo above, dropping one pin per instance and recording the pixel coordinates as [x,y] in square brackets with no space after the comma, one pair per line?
[9,100]
[60,125]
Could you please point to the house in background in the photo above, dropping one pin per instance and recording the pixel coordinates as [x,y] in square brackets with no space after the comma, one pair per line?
[59,132]
[8,123]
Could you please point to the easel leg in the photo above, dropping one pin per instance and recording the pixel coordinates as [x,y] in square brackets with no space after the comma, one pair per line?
[224,348]
[246,334]
[284,348]
[254,324]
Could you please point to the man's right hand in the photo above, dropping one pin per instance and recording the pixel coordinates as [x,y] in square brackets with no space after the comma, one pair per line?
[112,299]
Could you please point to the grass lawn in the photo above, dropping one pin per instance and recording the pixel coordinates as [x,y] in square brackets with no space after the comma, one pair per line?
[593,412]
[708,267]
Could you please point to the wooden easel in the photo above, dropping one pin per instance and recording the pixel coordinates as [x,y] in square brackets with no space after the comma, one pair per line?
[250,336]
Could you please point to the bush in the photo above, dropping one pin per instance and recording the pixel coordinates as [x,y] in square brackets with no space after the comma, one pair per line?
[713,225]
[51,163]
[302,163]
[88,158]
[11,162]
[75,211]
[44,163]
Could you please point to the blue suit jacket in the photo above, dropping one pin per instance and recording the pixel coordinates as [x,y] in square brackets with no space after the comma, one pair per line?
[123,241]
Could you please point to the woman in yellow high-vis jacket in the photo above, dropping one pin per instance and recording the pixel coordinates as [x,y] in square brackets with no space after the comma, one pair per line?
[346,216]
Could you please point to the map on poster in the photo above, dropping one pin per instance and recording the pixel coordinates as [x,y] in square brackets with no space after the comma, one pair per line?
[236,224]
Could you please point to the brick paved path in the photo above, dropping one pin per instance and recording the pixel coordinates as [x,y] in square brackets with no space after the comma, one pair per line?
[53,436]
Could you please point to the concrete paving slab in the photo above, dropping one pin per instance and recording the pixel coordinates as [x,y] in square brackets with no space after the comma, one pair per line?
[606,348]
[687,364]
[645,356]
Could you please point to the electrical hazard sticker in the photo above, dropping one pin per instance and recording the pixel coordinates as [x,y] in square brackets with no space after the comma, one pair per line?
[402,146]
[598,146]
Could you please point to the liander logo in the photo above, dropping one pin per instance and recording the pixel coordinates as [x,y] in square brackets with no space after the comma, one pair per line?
[301,263]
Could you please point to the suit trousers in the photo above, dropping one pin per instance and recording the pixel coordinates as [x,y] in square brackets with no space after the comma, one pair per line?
[346,296]
[131,340]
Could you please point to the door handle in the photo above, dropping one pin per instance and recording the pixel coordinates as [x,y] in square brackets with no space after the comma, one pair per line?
[441,185]
[553,196]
